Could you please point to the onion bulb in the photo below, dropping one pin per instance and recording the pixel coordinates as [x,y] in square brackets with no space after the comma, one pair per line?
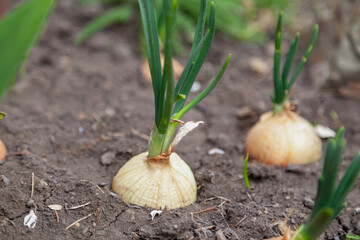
[2,151]
[156,183]
[284,138]
[178,68]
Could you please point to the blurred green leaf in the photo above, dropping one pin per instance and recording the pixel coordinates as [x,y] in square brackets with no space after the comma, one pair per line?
[116,15]
[19,30]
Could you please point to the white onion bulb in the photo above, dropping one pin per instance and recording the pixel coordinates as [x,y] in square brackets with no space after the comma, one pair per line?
[156,183]
[285,138]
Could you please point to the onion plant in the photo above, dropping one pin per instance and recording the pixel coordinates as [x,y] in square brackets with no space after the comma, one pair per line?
[160,178]
[19,29]
[282,136]
[330,196]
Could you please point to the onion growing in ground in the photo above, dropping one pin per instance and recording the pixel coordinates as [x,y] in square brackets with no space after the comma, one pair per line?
[329,200]
[159,178]
[282,136]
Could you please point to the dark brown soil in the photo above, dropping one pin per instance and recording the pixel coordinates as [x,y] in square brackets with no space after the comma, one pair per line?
[77,103]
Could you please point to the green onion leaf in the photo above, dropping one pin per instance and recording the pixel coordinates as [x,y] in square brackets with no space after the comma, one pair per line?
[168,76]
[246,178]
[208,38]
[153,53]
[289,61]
[204,93]
[279,91]
[305,57]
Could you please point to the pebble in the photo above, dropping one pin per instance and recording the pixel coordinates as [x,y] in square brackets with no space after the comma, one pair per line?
[102,184]
[30,203]
[308,202]
[220,235]
[357,210]
[5,180]
[108,158]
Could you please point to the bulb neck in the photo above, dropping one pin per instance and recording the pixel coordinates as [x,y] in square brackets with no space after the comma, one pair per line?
[278,108]
[159,143]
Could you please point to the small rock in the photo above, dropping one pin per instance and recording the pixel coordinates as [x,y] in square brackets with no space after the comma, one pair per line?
[30,203]
[357,210]
[30,219]
[308,202]
[324,132]
[195,87]
[294,169]
[154,213]
[220,235]
[102,184]
[108,158]
[110,112]
[55,207]
[245,112]
[5,180]
[216,151]
[259,66]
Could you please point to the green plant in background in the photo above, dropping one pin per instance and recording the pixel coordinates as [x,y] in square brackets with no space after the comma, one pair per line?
[330,196]
[19,30]
[236,18]
[159,178]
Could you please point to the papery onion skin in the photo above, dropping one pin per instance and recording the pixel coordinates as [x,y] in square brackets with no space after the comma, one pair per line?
[156,183]
[284,138]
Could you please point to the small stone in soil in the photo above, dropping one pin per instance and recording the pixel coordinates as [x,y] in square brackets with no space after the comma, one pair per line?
[102,184]
[294,169]
[357,210]
[5,180]
[309,203]
[107,158]
[220,235]
[30,203]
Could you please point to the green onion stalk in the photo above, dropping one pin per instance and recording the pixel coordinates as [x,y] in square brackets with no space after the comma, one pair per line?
[170,98]
[160,166]
[283,82]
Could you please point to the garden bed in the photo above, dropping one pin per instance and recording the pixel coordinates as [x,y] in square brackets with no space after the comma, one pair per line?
[77,105]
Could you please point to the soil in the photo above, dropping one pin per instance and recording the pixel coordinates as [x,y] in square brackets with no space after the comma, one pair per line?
[76,104]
